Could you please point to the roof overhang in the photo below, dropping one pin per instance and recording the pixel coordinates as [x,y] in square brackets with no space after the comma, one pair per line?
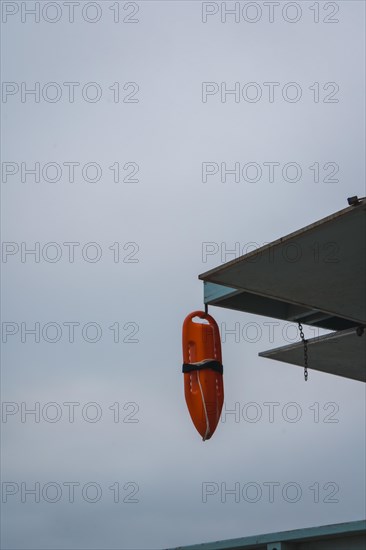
[315,276]
[341,535]
[345,351]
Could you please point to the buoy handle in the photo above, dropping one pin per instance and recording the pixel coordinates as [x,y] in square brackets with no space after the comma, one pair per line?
[201,315]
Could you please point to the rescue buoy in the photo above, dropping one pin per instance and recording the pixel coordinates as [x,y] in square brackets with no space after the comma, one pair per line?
[203,372]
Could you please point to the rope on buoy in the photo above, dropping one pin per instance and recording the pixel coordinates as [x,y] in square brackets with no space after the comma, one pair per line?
[204,407]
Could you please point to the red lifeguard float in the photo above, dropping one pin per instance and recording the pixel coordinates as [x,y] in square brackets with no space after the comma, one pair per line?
[203,372]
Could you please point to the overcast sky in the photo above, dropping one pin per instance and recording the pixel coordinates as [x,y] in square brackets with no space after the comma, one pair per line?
[129,102]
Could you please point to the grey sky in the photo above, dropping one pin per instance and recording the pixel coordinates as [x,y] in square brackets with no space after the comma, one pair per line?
[161,223]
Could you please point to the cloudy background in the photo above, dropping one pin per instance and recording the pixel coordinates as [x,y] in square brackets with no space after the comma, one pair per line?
[160,132]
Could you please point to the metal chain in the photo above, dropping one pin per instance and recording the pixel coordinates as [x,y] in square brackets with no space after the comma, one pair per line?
[305,352]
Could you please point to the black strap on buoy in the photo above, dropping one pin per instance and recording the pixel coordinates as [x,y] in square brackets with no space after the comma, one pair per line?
[209,364]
